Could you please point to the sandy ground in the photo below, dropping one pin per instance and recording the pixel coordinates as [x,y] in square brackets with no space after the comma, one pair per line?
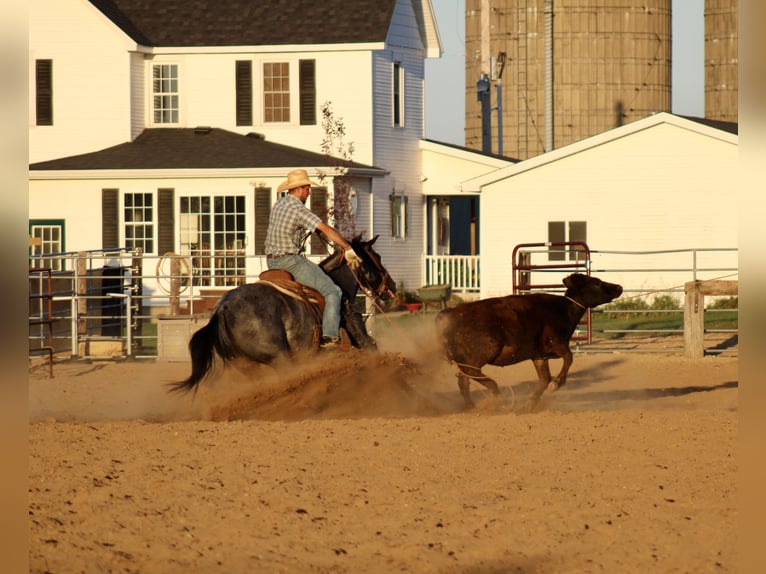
[366,463]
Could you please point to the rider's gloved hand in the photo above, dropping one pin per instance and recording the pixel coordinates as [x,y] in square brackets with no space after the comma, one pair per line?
[352,259]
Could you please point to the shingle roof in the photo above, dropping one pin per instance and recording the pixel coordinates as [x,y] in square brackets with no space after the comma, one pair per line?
[249,23]
[193,148]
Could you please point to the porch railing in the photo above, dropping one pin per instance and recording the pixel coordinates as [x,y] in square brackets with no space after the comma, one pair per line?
[460,271]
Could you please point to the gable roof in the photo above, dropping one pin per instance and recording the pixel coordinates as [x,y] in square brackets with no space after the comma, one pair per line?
[187,23]
[702,128]
[196,148]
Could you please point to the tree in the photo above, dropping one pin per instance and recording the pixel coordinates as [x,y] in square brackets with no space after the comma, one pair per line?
[335,147]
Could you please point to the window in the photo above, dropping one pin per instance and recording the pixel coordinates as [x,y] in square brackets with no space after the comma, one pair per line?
[212,232]
[398,215]
[44,92]
[244,89]
[398,95]
[165,93]
[138,215]
[566,232]
[47,238]
[276,92]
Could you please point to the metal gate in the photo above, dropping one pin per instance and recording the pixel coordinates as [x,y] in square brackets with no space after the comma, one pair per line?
[523,268]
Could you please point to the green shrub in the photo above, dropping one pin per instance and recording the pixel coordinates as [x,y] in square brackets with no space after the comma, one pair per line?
[727,303]
[629,304]
[664,303]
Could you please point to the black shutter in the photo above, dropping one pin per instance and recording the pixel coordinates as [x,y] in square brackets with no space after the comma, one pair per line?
[244,89]
[166,221]
[110,218]
[319,206]
[44,92]
[262,213]
[308,92]
[556,234]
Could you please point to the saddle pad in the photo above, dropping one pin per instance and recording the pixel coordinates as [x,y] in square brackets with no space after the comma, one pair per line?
[297,290]
[276,275]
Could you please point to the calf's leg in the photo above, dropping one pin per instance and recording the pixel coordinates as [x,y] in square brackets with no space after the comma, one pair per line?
[543,378]
[561,378]
[477,375]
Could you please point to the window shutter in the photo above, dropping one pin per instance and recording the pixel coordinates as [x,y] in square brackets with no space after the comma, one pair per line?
[110,218]
[318,206]
[556,234]
[44,92]
[262,213]
[244,89]
[577,232]
[307,90]
[405,200]
[165,221]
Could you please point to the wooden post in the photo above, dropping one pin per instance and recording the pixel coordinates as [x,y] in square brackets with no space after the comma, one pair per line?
[175,287]
[694,312]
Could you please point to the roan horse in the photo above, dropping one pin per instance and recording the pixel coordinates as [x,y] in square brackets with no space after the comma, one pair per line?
[271,318]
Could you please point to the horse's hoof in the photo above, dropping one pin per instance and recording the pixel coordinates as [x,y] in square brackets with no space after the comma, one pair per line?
[552,386]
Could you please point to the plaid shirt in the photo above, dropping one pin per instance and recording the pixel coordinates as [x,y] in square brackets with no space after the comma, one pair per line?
[290,220]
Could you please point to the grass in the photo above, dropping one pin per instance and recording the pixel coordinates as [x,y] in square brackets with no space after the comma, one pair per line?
[664,323]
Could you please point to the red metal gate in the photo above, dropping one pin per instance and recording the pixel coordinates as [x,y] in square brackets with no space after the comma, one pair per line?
[522,268]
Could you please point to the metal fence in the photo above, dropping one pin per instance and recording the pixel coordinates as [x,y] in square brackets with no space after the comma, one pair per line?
[109,303]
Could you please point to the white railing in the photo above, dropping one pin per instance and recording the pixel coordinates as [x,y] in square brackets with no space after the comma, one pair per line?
[459,271]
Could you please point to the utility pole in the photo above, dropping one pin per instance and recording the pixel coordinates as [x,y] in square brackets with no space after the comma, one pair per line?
[483,93]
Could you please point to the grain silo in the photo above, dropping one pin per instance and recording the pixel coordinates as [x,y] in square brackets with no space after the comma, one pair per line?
[584,65]
[721,61]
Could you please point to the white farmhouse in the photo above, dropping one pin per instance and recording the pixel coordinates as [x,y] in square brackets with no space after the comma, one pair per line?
[168,124]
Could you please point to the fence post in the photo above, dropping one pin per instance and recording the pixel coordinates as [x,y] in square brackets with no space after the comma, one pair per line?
[694,312]
[81,292]
[694,320]
[136,291]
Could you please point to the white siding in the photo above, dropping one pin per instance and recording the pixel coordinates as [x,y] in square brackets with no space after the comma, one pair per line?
[398,150]
[91,102]
[404,31]
[661,188]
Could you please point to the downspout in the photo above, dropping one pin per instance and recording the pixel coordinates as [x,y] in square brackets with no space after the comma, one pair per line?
[548,73]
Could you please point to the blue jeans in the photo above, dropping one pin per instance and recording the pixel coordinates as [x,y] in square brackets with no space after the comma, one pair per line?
[308,273]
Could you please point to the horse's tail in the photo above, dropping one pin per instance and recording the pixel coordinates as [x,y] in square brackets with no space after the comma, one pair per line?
[202,348]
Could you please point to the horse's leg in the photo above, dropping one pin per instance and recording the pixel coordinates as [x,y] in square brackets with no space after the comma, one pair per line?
[354,325]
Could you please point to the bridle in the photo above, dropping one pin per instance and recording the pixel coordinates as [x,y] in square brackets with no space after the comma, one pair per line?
[382,287]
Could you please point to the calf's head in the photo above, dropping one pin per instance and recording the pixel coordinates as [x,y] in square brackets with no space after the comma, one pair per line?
[589,291]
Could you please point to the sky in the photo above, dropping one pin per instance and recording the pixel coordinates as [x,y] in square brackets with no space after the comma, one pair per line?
[445,77]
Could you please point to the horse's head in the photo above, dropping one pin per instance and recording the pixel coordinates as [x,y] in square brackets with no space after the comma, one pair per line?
[373,277]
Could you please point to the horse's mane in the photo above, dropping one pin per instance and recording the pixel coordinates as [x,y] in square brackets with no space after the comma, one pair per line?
[335,259]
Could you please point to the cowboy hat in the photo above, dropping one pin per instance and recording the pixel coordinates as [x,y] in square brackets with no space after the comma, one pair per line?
[296,178]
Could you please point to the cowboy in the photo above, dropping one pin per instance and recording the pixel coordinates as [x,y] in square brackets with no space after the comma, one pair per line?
[290,222]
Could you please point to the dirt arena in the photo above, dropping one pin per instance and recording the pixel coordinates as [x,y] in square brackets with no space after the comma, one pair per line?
[366,463]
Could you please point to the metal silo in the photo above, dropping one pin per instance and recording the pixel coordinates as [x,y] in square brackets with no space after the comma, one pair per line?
[608,64]
[721,60]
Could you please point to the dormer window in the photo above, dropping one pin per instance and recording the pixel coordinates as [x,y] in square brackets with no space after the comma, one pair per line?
[165,93]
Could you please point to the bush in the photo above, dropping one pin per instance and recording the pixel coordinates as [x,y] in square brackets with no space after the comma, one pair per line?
[727,303]
[665,303]
[629,304]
